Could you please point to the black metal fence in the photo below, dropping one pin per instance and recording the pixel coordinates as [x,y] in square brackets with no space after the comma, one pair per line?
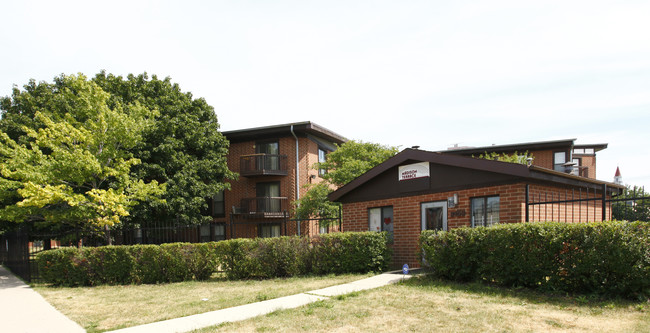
[587,205]
[18,248]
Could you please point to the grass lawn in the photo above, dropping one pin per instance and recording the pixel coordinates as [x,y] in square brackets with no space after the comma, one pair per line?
[426,305]
[112,307]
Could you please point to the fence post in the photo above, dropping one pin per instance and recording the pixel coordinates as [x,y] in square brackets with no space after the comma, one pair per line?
[527,207]
[604,202]
[340,217]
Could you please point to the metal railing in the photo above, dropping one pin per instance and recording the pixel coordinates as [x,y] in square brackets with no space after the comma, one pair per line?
[264,206]
[263,164]
[586,205]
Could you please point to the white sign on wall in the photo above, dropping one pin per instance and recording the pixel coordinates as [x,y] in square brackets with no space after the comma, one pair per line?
[412,171]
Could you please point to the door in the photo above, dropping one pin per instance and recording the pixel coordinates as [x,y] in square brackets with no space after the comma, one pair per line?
[270,160]
[434,215]
[268,197]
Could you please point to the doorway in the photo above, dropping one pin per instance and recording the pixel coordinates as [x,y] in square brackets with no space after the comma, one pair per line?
[434,215]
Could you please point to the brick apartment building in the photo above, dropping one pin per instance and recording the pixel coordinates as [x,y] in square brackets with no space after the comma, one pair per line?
[559,155]
[274,164]
[419,190]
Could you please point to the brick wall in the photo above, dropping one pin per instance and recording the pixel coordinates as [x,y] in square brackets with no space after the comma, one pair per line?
[407,216]
[245,187]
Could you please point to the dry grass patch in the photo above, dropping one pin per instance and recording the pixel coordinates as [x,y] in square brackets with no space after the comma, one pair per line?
[424,305]
[104,308]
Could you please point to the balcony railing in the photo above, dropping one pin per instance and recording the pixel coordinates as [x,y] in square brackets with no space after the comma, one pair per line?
[264,206]
[263,164]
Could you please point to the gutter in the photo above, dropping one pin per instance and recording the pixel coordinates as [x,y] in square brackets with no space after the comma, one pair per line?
[297,171]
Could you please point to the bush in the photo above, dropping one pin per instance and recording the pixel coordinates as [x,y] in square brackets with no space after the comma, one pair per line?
[607,258]
[127,264]
[351,252]
[259,258]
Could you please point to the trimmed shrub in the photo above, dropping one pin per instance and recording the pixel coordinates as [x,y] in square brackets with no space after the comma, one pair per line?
[351,252]
[127,264]
[607,258]
[246,258]
[260,258]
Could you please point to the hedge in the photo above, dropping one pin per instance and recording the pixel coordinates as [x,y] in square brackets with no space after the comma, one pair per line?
[606,258]
[239,258]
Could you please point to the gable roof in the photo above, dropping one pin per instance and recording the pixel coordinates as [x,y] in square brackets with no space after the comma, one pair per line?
[410,155]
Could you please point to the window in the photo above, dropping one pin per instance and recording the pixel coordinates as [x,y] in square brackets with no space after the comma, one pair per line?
[268,197]
[218,205]
[219,231]
[559,159]
[381,219]
[269,230]
[485,211]
[271,158]
[322,154]
[576,166]
[323,229]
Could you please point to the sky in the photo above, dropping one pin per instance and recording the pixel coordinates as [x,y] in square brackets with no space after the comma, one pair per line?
[400,73]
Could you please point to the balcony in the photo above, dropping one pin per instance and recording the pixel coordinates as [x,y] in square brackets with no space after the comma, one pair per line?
[266,207]
[263,165]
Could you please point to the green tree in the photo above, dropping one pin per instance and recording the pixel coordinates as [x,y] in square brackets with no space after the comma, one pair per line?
[182,148]
[349,161]
[634,205]
[520,158]
[352,159]
[74,169]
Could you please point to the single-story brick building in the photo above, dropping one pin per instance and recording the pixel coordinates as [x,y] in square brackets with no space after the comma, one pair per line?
[419,190]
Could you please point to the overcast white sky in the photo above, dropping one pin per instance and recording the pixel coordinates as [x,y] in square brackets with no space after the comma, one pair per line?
[401,73]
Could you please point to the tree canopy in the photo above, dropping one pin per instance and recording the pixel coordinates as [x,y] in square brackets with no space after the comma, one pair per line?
[74,166]
[516,157]
[181,146]
[352,159]
[349,161]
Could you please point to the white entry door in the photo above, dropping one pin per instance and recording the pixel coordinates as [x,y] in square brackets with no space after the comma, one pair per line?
[434,215]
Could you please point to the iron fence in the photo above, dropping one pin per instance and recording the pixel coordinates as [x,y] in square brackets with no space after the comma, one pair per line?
[586,205]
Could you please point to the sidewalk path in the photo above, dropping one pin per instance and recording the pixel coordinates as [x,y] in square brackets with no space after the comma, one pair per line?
[242,312]
[24,310]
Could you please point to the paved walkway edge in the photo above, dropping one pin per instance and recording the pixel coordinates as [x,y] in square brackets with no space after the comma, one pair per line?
[247,311]
[24,310]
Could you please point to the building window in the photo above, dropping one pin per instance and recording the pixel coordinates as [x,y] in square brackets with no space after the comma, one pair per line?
[381,219]
[218,208]
[485,211]
[219,231]
[268,197]
[576,166]
[271,158]
[323,229]
[322,156]
[269,230]
[559,159]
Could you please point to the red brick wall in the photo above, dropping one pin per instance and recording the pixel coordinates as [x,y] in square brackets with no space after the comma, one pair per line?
[406,215]
[244,187]
[574,212]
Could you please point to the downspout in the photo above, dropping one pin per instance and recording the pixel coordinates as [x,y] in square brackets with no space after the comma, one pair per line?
[297,172]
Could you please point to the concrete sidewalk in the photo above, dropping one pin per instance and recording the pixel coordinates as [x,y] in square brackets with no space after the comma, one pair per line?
[242,312]
[24,310]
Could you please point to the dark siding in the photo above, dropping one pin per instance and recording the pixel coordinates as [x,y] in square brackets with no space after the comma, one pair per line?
[443,178]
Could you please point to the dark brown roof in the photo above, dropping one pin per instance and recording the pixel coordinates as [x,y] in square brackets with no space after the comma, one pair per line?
[511,169]
[301,129]
[520,147]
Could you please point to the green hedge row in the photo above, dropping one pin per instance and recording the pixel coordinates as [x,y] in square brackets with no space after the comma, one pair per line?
[238,258]
[607,258]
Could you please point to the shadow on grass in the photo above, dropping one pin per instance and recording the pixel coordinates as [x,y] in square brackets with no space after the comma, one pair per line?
[428,282]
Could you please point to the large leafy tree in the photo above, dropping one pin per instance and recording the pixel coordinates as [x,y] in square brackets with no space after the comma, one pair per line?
[349,161]
[73,167]
[182,148]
